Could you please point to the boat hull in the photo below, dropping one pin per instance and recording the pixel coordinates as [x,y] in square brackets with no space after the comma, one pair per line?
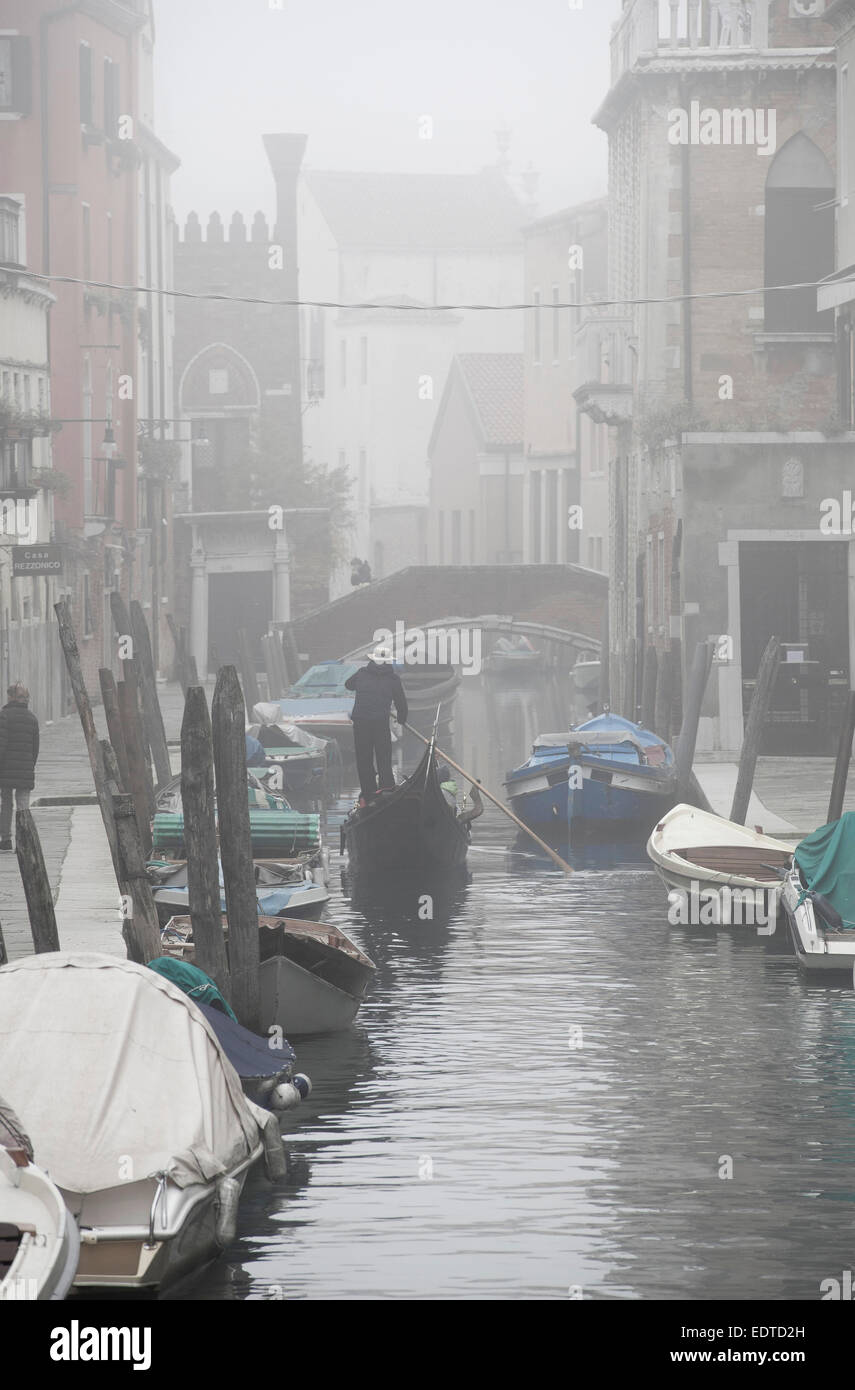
[410,830]
[610,800]
[817,950]
[188,1237]
[301,1004]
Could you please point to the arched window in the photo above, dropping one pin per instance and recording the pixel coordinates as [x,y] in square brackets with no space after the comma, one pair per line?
[799,236]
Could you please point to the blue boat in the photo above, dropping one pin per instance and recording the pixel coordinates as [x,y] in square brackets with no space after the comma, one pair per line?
[605,775]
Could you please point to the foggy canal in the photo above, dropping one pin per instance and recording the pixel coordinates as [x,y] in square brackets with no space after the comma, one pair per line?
[551,1091]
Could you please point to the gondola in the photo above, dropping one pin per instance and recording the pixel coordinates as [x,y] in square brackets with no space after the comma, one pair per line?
[414,828]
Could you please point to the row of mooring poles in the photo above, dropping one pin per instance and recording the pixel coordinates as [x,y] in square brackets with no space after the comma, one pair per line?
[213,752]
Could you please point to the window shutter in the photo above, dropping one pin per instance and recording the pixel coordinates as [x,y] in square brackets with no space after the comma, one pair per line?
[22,84]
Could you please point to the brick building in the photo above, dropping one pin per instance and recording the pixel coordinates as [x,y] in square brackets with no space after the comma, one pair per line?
[727,435]
[86,184]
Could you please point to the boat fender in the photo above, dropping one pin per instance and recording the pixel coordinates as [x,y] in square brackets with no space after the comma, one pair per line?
[228,1201]
[275,1161]
[290,1093]
[824,908]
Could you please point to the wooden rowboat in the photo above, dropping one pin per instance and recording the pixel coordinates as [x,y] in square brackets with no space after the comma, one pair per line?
[690,846]
[411,829]
[312,978]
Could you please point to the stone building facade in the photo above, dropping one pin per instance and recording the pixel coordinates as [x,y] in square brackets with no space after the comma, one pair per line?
[724,406]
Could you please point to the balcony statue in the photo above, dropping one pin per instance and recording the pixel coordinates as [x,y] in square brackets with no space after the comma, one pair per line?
[731,23]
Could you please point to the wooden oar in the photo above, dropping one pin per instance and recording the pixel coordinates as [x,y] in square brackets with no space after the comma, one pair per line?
[562,863]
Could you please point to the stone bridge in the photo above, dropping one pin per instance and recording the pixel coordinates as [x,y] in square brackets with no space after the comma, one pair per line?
[562,605]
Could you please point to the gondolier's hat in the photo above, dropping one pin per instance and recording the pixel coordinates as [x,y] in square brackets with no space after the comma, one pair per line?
[382,654]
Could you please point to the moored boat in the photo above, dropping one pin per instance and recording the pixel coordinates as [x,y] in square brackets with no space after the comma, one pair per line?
[691,847]
[603,776]
[413,828]
[312,977]
[585,676]
[300,757]
[134,1110]
[627,777]
[818,897]
[514,658]
[298,887]
[39,1240]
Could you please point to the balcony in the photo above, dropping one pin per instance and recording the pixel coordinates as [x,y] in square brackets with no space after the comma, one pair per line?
[605,366]
[672,28]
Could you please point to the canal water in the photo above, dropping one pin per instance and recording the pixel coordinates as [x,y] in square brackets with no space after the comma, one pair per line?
[550,1092]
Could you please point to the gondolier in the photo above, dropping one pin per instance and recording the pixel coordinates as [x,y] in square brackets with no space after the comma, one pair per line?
[377,688]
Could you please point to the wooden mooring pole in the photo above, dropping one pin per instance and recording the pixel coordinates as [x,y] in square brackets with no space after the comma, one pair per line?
[648,687]
[227,718]
[4,959]
[754,730]
[110,697]
[139,777]
[68,641]
[37,889]
[697,684]
[248,674]
[200,839]
[664,691]
[152,717]
[140,926]
[841,763]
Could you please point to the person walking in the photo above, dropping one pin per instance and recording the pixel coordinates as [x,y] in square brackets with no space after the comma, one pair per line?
[19,751]
[377,688]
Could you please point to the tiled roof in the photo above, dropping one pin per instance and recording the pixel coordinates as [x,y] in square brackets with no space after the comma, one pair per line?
[430,211]
[495,384]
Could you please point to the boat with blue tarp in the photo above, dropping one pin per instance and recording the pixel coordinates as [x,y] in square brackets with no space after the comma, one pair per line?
[605,775]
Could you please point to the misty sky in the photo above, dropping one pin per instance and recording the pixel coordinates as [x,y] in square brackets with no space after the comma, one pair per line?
[356,76]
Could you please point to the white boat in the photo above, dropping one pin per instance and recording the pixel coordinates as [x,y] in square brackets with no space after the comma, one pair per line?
[693,847]
[39,1242]
[134,1111]
[820,947]
[312,977]
[586,676]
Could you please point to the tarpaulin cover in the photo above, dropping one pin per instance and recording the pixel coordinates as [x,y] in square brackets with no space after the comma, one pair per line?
[103,1060]
[249,1054]
[269,713]
[827,862]
[193,982]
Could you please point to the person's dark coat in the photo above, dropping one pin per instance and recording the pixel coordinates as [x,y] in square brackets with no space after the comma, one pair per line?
[377,688]
[19,747]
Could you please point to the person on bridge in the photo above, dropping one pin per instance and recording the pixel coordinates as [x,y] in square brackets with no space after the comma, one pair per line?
[19,751]
[377,688]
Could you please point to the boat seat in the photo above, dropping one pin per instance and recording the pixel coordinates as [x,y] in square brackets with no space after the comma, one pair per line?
[749,861]
[10,1239]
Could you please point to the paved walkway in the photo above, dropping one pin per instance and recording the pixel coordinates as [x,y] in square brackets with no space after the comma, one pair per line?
[77,857]
[790,796]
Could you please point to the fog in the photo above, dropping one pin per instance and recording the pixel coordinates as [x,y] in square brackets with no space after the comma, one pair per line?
[357,78]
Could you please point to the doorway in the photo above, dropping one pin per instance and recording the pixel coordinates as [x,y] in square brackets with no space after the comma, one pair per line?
[235,601]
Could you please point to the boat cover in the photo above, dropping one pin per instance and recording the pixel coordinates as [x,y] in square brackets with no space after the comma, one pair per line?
[104,1060]
[595,738]
[193,982]
[268,714]
[250,1055]
[827,862]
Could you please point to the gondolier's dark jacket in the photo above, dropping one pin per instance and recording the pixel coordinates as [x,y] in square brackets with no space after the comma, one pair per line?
[377,688]
[19,747]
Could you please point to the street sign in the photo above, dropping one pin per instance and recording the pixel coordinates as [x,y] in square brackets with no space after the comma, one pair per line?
[36,559]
